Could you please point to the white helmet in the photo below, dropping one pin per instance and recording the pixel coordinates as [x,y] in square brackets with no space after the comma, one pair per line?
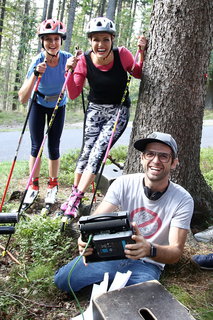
[100,24]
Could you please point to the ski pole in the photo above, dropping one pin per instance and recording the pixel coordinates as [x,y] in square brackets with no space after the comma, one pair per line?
[20,140]
[114,129]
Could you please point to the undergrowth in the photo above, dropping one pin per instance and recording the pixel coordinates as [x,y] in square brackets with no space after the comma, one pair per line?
[40,248]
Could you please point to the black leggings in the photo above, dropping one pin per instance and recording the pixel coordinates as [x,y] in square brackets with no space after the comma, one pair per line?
[37,120]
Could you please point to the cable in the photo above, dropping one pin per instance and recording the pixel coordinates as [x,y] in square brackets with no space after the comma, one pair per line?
[70,273]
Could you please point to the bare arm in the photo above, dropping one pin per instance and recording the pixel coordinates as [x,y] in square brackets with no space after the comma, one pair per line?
[28,85]
[26,89]
[167,254]
[105,207]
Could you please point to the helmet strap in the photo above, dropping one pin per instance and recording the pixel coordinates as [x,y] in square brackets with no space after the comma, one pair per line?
[52,55]
[109,51]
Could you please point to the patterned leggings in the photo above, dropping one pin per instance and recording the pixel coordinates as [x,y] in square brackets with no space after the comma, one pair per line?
[100,120]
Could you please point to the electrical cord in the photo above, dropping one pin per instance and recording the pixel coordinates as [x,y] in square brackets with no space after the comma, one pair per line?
[70,273]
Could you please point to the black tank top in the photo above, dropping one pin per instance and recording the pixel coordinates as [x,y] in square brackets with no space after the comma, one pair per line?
[107,87]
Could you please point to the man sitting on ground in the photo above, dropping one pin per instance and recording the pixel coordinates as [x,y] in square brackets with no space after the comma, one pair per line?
[160,212]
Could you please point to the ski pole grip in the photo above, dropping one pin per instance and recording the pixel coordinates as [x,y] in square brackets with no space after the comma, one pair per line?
[12,217]
[7,230]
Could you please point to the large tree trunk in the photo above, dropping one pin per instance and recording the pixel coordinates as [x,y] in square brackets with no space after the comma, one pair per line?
[173,89]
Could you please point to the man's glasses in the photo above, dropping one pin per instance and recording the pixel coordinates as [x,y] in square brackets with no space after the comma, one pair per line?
[162,156]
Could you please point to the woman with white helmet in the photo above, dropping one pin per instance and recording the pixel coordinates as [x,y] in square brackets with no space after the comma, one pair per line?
[50,64]
[106,69]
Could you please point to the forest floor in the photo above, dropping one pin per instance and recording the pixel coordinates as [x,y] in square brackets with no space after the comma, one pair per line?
[190,285]
[194,286]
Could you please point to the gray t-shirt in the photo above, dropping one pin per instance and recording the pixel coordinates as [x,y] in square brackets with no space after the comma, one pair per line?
[153,217]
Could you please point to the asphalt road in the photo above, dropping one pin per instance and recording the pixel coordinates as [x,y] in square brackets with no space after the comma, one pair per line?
[72,139]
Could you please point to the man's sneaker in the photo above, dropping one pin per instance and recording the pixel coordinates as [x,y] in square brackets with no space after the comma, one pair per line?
[51,191]
[64,205]
[73,204]
[32,193]
[205,236]
[204,261]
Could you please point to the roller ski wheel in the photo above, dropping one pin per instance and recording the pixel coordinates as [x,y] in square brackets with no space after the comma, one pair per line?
[46,210]
[51,196]
[50,199]
[65,222]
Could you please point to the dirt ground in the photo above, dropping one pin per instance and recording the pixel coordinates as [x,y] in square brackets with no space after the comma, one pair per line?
[183,274]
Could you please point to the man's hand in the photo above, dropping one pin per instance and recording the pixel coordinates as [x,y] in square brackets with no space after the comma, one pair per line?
[81,248]
[141,247]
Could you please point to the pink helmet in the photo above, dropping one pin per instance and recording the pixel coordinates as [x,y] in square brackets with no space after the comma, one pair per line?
[51,26]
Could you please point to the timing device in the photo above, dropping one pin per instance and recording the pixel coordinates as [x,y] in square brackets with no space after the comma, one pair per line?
[110,233]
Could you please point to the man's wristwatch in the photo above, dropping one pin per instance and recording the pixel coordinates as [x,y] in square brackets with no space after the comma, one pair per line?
[153,251]
[36,73]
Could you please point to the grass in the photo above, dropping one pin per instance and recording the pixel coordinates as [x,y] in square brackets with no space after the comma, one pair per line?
[74,114]
[40,248]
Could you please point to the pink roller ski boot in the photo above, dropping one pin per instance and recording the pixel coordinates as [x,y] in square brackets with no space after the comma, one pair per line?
[73,204]
[64,205]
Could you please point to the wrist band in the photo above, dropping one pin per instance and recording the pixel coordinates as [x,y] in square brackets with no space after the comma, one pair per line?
[36,73]
[153,251]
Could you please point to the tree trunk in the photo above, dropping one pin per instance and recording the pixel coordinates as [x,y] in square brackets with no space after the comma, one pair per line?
[173,90]
[50,9]
[209,96]
[110,13]
[70,23]
[3,4]
[21,53]
[44,14]
[62,11]
[101,8]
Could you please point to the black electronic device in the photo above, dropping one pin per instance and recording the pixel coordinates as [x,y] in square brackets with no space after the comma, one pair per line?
[8,218]
[110,233]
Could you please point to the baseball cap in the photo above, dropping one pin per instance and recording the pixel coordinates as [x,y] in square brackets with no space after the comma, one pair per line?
[157,137]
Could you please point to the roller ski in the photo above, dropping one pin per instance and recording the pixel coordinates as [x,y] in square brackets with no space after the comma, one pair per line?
[51,195]
[70,207]
[31,195]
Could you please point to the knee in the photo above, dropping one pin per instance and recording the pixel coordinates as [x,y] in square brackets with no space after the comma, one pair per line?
[61,280]
[34,151]
[54,154]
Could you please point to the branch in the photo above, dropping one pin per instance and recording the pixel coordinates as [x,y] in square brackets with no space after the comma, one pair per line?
[17,297]
[10,255]
[115,162]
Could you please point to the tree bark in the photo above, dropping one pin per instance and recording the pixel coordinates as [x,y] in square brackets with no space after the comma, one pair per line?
[50,9]
[21,53]
[70,23]
[110,13]
[3,5]
[44,14]
[173,89]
